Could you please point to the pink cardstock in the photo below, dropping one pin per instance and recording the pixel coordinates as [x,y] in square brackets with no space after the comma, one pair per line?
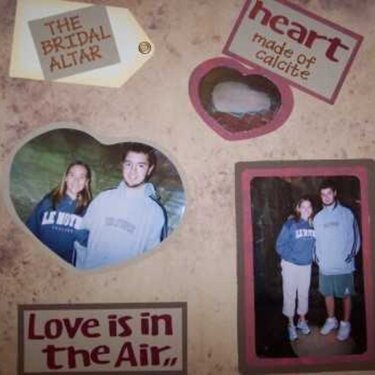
[250,212]
[239,71]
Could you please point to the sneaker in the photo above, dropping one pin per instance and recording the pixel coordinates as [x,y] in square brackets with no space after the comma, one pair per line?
[303,327]
[329,325]
[292,332]
[344,331]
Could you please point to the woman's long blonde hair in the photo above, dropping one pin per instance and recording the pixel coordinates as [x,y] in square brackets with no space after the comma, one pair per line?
[83,198]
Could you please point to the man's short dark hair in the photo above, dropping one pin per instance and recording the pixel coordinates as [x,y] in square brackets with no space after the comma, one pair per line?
[328,184]
[140,148]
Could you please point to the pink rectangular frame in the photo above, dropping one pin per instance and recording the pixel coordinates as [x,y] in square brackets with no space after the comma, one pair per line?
[245,172]
[330,100]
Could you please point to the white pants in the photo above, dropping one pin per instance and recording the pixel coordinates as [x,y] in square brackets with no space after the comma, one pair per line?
[296,282]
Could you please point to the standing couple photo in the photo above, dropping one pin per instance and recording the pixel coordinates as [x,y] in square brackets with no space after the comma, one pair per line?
[331,239]
[308,264]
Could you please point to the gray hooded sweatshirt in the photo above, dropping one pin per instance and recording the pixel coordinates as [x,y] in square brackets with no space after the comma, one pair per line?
[122,223]
[337,240]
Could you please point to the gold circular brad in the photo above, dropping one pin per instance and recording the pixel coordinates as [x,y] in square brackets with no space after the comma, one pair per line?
[144,48]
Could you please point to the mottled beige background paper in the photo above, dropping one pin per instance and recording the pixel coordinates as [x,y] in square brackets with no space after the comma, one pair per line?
[197,263]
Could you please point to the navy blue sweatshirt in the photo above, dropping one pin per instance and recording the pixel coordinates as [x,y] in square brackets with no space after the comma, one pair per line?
[296,242]
[58,228]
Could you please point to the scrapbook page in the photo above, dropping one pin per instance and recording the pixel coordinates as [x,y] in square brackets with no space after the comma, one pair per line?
[186,187]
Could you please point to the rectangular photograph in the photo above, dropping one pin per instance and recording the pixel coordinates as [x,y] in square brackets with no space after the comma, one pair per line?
[305,265]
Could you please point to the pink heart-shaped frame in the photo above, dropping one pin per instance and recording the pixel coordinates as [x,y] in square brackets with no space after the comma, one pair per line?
[278,118]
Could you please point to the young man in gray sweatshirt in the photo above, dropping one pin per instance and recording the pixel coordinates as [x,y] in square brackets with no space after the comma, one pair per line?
[125,221]
[337,243]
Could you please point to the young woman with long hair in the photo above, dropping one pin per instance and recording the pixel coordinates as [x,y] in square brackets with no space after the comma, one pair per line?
[295,244]
[56,218]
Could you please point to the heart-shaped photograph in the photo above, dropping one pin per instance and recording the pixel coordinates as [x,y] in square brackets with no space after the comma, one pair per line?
[95,205]
[238,102]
